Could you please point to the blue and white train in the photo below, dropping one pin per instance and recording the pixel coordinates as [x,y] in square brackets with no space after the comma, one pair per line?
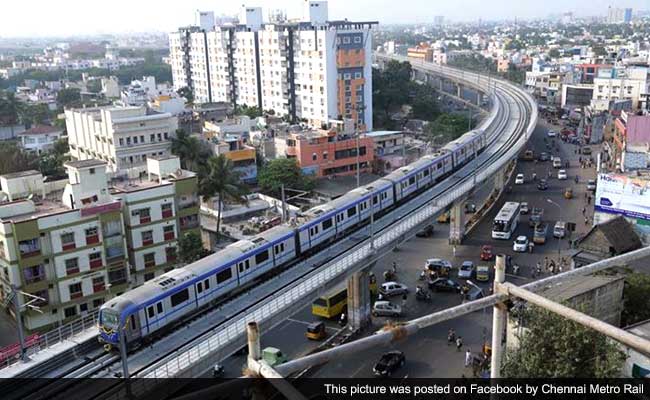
[172,297]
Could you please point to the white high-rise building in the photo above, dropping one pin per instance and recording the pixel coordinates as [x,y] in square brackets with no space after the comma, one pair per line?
[314,70]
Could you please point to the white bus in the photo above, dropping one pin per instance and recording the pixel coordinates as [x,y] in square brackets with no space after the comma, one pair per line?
[506,221]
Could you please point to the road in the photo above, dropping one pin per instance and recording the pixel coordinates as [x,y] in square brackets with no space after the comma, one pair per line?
[427,352]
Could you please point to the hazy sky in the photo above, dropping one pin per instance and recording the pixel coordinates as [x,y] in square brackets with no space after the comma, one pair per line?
[69,17]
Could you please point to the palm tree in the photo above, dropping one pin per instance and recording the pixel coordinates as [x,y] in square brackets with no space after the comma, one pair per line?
[223,182]
[189,149]
[10,110]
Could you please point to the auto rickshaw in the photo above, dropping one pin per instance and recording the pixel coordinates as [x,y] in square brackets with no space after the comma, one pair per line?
[486,253]
[444,218]
[316,331]
[568,193]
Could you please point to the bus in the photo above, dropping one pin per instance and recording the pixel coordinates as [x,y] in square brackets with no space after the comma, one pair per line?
[506,221]
[335,302]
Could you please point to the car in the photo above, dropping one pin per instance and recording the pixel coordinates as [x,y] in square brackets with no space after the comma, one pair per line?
[470,208]
[383,308]
[520,245]
[389,289]
[444,285]
[434,264]
[542,184]
[591,185]
[561,175]
[543,157]
[466,270]
[551,134]
[539,236]
[426,232]
[486,252]
[483,273]
[557,162]
[388,363]
[523,208]
[519,179]
[586,151]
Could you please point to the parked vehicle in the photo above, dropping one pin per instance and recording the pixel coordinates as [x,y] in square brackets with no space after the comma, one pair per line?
[483,273]
[568,193]
[529,155]
[591,185]
[273,356]
[519,179]
[426,232]
[520,245]
[551,134]
[331,304]
[561,175]
[444,285]
[422,294]
[559,231]
[586,151]
[470,208]
[466,270]
[389,289]
[486,252]
[383,308]
[389,363]
[539,236]
[523,208]
[444,218]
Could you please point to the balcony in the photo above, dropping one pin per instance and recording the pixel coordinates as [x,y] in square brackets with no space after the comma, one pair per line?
[145,220]
[68,246]
[99,288]
[76,295]
[169,236]
[189,204]
[150,263]
[167,213]
[92,239]
[29,248]
[147,242]
[96,263]
[34,279]
[171,258]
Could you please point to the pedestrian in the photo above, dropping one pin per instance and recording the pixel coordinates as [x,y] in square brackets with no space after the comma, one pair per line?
[546,263]
[586,221]
[453,250]
[586,195]
[451,337]
[588,199]
[531,247]
[584,210]
[394,267]
[404,300]
[468,358]
[459,343]
[580,160]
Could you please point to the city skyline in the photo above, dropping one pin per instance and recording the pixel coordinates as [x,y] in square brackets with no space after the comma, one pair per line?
[80,19]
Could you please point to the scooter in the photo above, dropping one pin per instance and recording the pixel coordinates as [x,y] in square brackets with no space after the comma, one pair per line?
[421,294]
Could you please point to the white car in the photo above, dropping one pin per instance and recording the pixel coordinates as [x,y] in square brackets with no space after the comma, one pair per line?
[523,208]
[389,289]
[519,179]
[466,270]
[551,134]
[561,175]
[520,245]
[386,308]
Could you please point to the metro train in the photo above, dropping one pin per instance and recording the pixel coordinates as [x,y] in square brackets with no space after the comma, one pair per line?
[163,302]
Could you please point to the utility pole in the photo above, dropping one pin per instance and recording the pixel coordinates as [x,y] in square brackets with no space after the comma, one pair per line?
[358,172]
[125,363]
[284,205]
[19,321]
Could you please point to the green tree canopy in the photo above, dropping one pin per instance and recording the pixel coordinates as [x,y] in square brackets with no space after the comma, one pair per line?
[554,53]
[190,247]
[187,93]
[282,171]
[448,127]
[14,159]
[554,347]
[68,96]
[636,297]
[192,152]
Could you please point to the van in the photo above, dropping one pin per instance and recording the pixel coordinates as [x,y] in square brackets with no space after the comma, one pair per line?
[557,162]
[559,230]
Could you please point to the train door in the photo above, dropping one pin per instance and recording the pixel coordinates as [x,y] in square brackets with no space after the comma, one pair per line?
[133,328]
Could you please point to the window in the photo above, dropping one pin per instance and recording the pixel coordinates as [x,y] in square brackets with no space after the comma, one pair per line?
[147,238]
[67,241]
[35,273]
[411,180]
[98,284]
[346,40]
[75,290]
[98,302]
[144,213]
[30,247]
[159,307]
[95,260]
[357,75]
[224,275]
[199,287]
[91,171]
[327,224]
[152,138]
[149,260]
[357,39]
[92,236]
[314,157]
[244,265]
[148,276]
[168,232]
[206,284]
[121,141]
[70,312]
[72,266]
[261,257]
[167,211]
[150,312]
[324,155]
[117,277]
[180,297]
[352,211]
[159,137]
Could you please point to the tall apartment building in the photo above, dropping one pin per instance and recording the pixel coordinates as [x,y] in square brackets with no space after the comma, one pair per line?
[69,252]
[313,70]
[619,15]
[613,84]
[94,240]
[123,137]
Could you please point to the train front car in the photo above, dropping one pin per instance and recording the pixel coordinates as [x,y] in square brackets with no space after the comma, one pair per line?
[109,323]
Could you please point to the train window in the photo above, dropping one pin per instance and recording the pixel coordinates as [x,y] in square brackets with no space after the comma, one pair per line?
[150,312]
[411,180]
[224,275]
[339,218]
[241,267]
[439,165]
[261,257]
[132,322]
[352,211]
[159,307]
[247,263]
[276,249]
[375,200]
[206,284]
[384,195]
[426,172]
[327,224]
[199,287]
[180,297]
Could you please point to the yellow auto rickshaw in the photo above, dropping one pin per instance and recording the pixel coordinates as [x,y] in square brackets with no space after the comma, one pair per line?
[568,193]
[316,331]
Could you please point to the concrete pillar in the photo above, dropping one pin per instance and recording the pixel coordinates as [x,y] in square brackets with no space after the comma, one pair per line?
[499,318]
[459,91]
[457,223]
[359,300]
[441,84]
[500,179]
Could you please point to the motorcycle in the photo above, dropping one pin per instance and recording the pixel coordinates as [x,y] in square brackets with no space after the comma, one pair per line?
[515,269]
[389,276]
[421,294]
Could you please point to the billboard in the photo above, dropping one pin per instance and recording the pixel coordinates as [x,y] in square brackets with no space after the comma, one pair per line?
[620,194]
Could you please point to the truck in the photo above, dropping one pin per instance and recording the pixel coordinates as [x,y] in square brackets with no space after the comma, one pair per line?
[273,356]
[535,217]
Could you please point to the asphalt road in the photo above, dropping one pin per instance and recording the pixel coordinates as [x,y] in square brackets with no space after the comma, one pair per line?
[427,353]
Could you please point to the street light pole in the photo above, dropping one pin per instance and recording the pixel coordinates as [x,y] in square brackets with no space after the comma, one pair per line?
[19,321]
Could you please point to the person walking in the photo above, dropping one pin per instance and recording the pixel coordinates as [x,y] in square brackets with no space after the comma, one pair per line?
[394,267]
[451,337]
[584,210]
[404,300]
[588,200]
[531,247]
[459,343]
[453,250]
[468,358]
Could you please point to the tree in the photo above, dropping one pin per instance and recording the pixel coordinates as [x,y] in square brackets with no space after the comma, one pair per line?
[68,96]
[187,93]
[390,89]
[14,159]
[282,171]
[10,109]
[636,299]
[554,53]
[449,126]
[31,114]
[224,183]
[553,347]
[190,150]
[251,112]
[94,86]
[190,247]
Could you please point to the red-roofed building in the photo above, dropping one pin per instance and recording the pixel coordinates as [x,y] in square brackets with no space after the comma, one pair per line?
[40,138]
